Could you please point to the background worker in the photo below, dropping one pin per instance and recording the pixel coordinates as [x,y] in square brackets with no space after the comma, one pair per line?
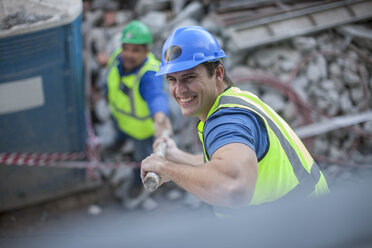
[135,95]
[251,155]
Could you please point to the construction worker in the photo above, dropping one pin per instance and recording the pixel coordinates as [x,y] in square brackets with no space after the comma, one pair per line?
[251,155]
[136,99]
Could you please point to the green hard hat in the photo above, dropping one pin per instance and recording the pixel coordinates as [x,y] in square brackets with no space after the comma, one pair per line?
[136,32]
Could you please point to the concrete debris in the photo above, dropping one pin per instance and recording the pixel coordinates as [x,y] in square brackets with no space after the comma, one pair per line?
[20,17]
[274,99]
[194,10]
[360,34]
[209,23]
[304,44]
[174,194]
[177,6]
[149,204]
[123,17]
[282,25]
[156,21]
[192,201]
[102,110]
[132,203]
[333,124]
[351,78]
[266,57]
[186,22]
[106,133]
[105,5]
[333,82]
[368,127]
[144,6]
[94,210]
[121,174]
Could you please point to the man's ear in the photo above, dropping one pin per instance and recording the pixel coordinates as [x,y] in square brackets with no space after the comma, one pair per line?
[219,72]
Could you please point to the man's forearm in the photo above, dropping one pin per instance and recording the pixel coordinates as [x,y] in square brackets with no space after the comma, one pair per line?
[187,158]
[202,181]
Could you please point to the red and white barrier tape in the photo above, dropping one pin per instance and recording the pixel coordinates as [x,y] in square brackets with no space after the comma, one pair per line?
[37,158]
[65,160]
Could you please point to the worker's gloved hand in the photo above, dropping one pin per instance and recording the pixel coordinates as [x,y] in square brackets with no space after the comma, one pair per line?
[161,124]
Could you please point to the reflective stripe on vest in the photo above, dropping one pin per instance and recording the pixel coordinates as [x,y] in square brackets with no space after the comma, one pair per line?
[307,181]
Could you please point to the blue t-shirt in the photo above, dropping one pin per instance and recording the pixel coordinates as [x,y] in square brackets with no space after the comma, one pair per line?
[235,125]
[150,88]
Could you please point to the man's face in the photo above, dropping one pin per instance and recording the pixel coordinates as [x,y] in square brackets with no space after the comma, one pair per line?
[133,56]
[194,91]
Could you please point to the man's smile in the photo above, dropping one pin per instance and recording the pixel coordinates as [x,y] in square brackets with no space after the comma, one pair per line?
[186,99]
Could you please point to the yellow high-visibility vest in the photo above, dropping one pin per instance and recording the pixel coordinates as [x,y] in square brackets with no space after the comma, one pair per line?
[127,106]
[287,169]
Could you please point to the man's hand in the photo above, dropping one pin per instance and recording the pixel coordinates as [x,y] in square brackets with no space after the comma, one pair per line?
[162,123]
[171,152]
[153,163]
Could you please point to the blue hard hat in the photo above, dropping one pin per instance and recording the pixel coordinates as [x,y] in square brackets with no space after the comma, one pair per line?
[188,47]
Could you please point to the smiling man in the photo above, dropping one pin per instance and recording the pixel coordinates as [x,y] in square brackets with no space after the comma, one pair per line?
[137,102]
[251,155]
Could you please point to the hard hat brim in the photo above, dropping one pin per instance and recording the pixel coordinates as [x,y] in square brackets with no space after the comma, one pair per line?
[182,66]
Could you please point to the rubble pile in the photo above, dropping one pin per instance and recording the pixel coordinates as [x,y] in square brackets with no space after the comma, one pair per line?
[306,79]
[329,78]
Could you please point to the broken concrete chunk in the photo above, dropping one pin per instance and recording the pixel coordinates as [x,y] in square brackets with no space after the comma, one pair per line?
[304,44]
[192,201]
[314,73]
[241,71]
[209,23]
[124,16]
[274,99]
[361,34]
[174,194]
[144,6]
[121,174]
[320,145]
[357,94]
[177,6]
[186,22]
[351,78]
[266,57]
[368,127]
[345,102]
[193,10]
[287,65]
[149,204]
[156,21]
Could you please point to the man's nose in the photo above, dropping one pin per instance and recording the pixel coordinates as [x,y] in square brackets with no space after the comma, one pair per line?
[180,87]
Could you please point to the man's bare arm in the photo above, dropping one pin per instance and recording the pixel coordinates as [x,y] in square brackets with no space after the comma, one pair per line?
[227,180]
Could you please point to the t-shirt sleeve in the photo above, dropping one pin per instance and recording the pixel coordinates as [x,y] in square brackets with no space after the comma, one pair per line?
[235,125]
[151,89]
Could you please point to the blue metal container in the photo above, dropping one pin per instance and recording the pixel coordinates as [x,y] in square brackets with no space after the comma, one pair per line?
[42,89]
[41,97]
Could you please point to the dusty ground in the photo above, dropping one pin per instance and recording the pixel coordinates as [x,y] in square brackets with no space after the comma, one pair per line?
[67,222]
[341,219]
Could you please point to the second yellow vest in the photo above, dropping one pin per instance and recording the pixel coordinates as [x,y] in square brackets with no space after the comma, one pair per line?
[127,106]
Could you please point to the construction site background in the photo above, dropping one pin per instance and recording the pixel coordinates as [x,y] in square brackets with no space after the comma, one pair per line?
[309,60]
[319,82]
